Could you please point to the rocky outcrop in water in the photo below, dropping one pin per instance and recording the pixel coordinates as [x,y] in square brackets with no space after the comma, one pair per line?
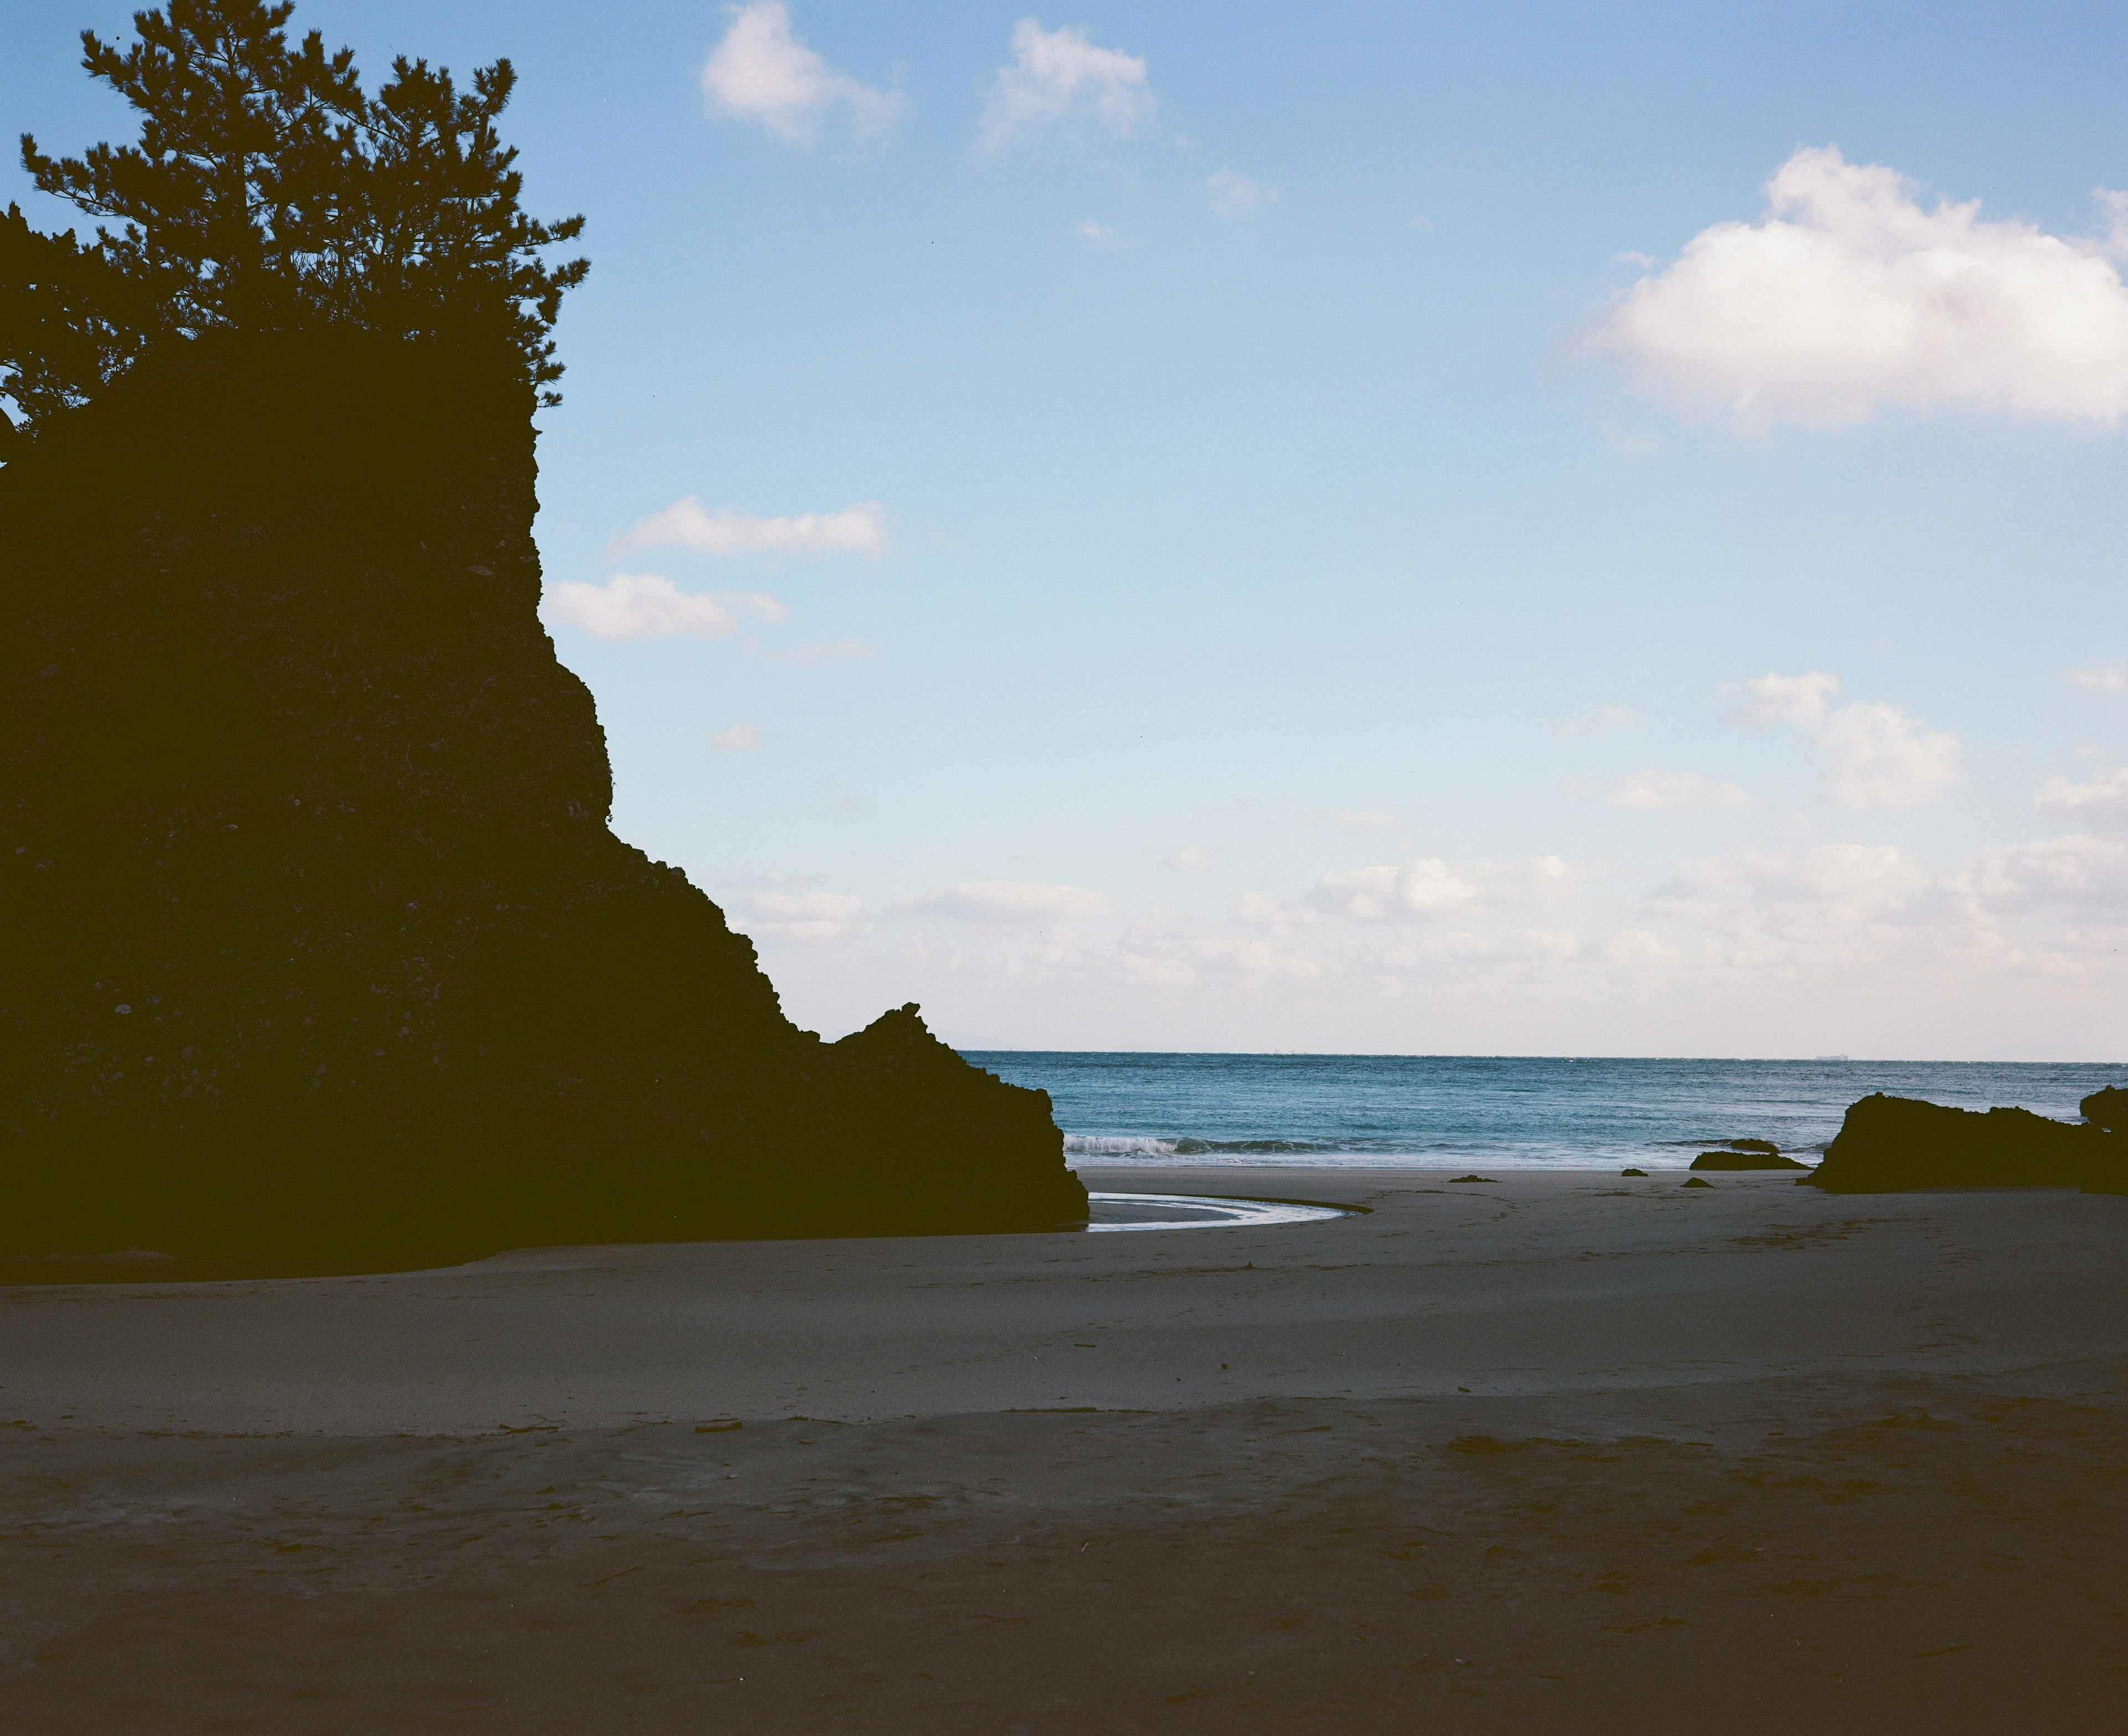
[1751,1158]
[318,948]
[2107,1108]
[1887,1143]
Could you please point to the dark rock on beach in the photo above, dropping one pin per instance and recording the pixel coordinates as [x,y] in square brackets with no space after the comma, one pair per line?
[318,948]
[1694,1181]
[2108,1109]
[1887,1144]
[1767,1158]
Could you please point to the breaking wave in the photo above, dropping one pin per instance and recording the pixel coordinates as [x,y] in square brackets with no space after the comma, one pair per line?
[1117,1144]
[1142,1145]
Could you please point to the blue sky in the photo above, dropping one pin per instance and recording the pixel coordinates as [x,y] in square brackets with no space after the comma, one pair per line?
[1255,527]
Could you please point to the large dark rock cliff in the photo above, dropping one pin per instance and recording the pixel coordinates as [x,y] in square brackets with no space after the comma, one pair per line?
[316,945]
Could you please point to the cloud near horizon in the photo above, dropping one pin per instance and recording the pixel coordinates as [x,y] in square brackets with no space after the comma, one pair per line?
[1431,887]
[1674,792]
[1850,297]
[1356,822]
[856,530]
[760,72]
[810,917]
[2101,804]
[1875,755]
[1421,953]
[1057,75]
[644,605]
[1009,901]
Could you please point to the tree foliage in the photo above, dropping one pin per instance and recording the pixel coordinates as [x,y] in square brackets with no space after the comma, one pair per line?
[269,190]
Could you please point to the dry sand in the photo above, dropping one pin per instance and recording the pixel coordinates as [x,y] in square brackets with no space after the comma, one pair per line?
[1564,1453]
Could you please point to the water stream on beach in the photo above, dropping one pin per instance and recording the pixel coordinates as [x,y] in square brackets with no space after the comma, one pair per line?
[1344,1111]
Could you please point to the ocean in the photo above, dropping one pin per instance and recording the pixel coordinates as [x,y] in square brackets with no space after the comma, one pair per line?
[1463,1111]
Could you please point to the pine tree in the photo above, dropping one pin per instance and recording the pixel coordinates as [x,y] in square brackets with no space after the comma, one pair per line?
[269,192]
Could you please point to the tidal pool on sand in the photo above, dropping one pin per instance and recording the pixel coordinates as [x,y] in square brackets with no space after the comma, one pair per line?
[1197,1211]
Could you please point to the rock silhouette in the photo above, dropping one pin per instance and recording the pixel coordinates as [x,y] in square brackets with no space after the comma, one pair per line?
[1887,1144]
[319,949]
[2107,1108]
[1760,1156]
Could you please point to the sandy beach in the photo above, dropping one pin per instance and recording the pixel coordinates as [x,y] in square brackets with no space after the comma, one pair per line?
[1558,1451]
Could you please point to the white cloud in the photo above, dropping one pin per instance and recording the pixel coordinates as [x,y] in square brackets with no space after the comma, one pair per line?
[761,72]
[1252,957]
[1786,699]
[1097,235]
[1639,946]
[1235,195]
[1430,887]
[2103,677]
[1850,296]
[1550,942]
[1876,755]
[2102,804]
[1762,899]
[1194,859]
[858,529]
[1009,901]
[737,739]
[642,605]
[2082,874]
[815,655]
[1608,717]
[1670,792]
[1356,822]
[1059,73]
[1876,758]
[803,916]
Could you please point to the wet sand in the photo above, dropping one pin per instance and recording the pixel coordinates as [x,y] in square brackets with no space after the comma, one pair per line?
[1562,1452]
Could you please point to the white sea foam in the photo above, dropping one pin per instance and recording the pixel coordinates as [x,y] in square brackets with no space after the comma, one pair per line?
[1114,1211]
[1117,1144]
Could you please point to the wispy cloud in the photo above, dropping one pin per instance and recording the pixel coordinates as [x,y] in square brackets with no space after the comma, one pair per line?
[1235,195]
[737,739]
[1009,901]
[858,529]
[2103,677]
[815,656]
[802,916]
[2102,804]
[760,72]
[1431,887]
[1673,792]
[1097,235]
[1607,717]
[1875,756]
[1194,859]
[644,606]
[1060,75]
[1356,822]
[1850,296]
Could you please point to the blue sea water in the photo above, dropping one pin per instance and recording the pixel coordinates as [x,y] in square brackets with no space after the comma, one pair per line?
[1460,1111]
